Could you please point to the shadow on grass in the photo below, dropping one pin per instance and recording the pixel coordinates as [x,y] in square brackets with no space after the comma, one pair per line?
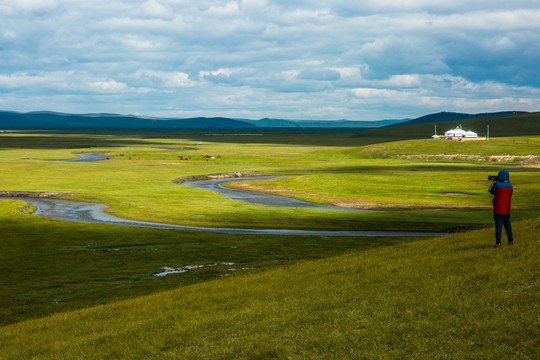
[45,140]
[52,266]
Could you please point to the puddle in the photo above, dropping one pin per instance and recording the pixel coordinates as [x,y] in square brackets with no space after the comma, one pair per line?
[166,270]
[89,157]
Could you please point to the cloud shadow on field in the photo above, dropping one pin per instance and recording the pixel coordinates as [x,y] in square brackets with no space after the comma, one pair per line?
[59,140]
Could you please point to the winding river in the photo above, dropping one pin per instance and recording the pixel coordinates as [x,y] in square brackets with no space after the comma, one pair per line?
[259,198]
[94,213]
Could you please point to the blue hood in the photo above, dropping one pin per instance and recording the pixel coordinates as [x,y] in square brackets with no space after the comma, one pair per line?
[504,175]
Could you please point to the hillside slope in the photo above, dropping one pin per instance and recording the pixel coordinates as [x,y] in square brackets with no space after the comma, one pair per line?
[53,120]
[526,124]
[452,116]
[455,297]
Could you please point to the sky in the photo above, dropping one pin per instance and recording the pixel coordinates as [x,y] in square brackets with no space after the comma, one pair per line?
[289,59]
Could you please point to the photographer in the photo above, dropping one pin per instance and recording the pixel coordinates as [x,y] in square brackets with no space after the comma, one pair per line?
[502,189]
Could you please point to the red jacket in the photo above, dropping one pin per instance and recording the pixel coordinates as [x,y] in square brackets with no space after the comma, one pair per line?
[502,190]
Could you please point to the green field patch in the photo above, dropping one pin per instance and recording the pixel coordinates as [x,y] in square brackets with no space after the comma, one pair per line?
[51,266]
[453,297]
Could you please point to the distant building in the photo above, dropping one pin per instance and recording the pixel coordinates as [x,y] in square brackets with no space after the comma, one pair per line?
[470,135]
[460,133]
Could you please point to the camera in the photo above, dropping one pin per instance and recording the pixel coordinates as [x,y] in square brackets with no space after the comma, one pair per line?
[493,177]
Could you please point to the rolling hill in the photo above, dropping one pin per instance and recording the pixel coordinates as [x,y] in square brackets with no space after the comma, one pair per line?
[453,116]
[55,120]
[323,123]
[519,124]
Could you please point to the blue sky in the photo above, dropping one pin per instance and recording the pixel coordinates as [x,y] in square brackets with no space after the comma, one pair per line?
[359,60]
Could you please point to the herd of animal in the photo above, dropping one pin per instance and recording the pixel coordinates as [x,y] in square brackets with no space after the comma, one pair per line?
[180,157]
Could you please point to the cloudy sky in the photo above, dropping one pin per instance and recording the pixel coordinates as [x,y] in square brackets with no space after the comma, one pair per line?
[293,59]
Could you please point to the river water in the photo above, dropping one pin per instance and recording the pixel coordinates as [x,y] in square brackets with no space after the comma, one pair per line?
[259,198]
[94,213]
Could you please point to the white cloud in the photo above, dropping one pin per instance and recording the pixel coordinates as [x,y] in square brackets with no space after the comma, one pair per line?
[263,57]
[174,79]
[31,5]
[155,9]
[229,9]
[138,43]
[224,72]
[108,86]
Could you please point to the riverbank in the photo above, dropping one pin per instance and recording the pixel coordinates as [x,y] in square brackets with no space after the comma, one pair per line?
[94,213]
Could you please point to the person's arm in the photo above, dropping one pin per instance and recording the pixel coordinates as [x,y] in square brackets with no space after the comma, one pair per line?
[493,188]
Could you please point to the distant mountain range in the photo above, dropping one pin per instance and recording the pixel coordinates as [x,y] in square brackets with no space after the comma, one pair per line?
[55,120]
[452,116]
[322,123]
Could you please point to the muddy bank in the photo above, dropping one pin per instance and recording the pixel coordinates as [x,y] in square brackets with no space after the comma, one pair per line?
[28,194]
[495,159]
[230,175]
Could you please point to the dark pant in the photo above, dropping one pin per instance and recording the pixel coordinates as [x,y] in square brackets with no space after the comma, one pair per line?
[501,220]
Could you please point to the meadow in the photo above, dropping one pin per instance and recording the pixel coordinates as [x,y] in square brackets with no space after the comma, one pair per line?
[267,296]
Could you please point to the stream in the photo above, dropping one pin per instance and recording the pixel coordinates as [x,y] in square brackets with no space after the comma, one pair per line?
[258,198]
[94,213]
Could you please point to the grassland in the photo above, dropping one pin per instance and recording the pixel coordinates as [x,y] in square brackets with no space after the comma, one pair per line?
[51,269]
[452,297]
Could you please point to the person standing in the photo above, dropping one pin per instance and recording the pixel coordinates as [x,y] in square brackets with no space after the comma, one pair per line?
[502,201]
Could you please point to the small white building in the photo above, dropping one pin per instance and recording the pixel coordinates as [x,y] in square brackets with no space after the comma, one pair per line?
[470,135]
[460,133]
[457,132]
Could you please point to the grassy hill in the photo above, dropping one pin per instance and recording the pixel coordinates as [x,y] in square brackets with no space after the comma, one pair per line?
[449,116]
[447,297]
[527,124]
[54,120]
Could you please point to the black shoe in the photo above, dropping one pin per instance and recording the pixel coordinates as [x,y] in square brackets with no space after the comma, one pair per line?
[497,245]
[510,243]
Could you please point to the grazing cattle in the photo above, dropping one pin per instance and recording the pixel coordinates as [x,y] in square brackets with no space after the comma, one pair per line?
[209,157]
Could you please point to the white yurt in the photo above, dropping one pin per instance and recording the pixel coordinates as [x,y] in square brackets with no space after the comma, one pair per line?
[470,135]
[457,132]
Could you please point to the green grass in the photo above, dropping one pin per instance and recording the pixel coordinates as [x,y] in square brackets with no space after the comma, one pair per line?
[292,300]
[450,297]
[52,266]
